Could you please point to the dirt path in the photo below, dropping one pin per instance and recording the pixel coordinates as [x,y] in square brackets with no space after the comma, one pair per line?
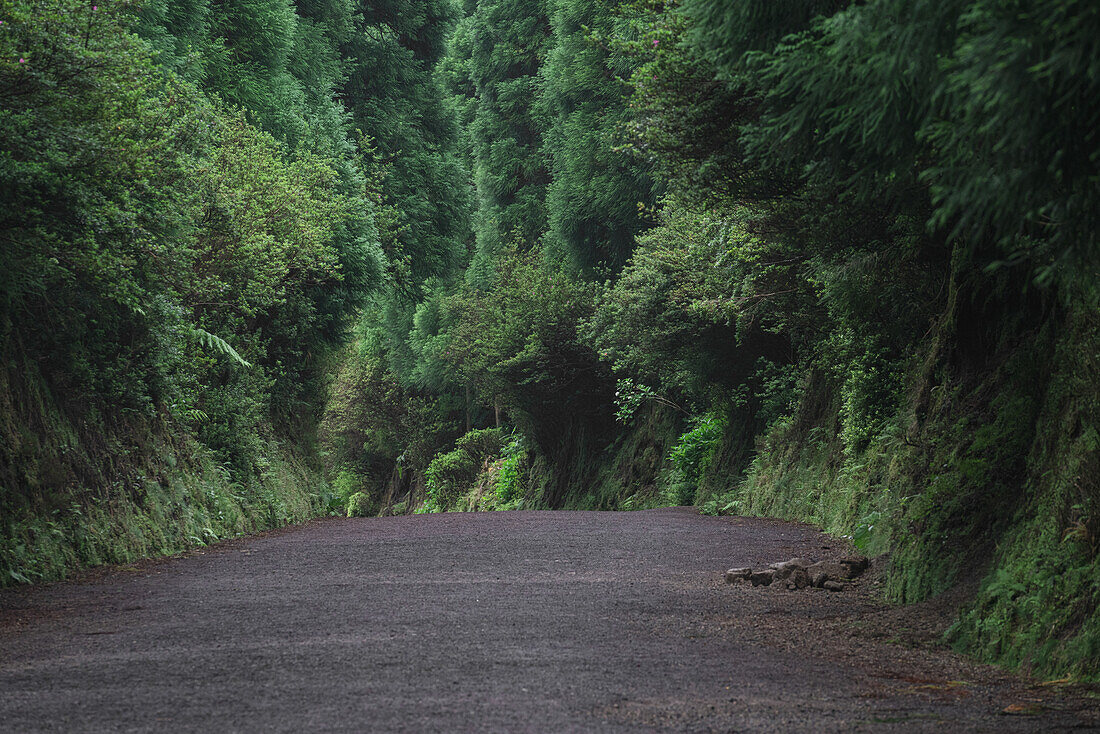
[492,622]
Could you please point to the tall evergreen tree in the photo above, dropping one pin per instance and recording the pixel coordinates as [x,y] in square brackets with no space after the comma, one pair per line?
[593,199]
[395,97]
[507,41]
[946,117]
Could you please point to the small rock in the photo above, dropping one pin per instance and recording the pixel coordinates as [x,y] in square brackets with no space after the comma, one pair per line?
[818,578]
[738,574]
[798,579]
[855,565]
[832,569]
[762,578]
[783,568]
[833,586]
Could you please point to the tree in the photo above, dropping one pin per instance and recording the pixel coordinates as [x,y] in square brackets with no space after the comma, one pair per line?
[394,96]
[508,42]
[593,198]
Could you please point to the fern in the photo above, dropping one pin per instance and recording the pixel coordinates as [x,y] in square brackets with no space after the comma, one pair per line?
[215,342]
[195,415]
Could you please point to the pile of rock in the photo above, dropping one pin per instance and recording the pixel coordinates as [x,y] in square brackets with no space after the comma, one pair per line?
[802,573]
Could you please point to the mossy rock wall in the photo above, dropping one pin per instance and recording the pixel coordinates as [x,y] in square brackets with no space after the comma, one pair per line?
[989,469]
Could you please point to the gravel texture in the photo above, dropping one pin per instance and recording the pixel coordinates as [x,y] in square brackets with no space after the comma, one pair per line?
[516,621]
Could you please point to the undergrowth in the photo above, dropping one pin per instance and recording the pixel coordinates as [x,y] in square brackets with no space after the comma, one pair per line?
[184,503]
[79,488]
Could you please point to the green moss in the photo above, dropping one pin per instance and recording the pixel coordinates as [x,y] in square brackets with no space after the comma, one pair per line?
[633,472]
[1039,608]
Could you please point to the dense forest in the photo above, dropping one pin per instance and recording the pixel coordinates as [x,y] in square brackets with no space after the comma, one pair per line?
[266,260]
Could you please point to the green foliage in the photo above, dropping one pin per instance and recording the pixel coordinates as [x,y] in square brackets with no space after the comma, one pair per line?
[376,429]
[993,475]
[393,94]
[950,119]
[345,484]
[683,122]
[509,481]
[696,448]
[692,455]
[502,483]
[630,396]
[397,403]
[519,346]
[213,341]
[156,244]
[1038,606]
[503,47]
[593,196]
[481,442]
[360,505]
[864,534]
[699,303]
[905,183]
[452,474]
[169,497]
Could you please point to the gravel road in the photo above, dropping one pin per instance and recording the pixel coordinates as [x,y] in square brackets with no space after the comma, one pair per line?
[516,621]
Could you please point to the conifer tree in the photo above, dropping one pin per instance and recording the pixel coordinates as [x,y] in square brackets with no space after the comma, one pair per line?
[395,97]
[593,198]
[507,44]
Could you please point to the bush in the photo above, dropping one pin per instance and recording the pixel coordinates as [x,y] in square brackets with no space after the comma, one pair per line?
[452,474]
[481,442]
[348,489]
[692,455]
[360,504]
[509,484]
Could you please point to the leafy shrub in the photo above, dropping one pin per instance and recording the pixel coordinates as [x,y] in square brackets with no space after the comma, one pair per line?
[360,504]
[509,481]
[692,455]
[481,443]
[777,390]
[346,484]
[452,474]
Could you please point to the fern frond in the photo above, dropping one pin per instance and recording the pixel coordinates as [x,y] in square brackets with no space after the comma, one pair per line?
[213,341]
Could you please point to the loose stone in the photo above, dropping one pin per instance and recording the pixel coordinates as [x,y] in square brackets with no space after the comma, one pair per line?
[738,574]
[855,565]
[762,578]
[801,573]
[832,569]
[798,579]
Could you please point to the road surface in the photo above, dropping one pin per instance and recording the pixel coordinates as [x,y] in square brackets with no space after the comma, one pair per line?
[518,621]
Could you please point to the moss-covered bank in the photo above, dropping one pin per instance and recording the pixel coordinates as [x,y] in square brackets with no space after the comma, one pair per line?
[83,489]
[990,468]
